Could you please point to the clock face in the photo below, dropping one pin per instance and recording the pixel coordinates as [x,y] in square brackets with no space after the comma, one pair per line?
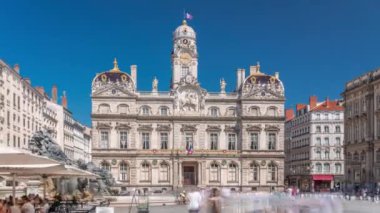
[185,58]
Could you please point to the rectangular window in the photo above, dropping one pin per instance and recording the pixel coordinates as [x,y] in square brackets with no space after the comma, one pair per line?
[231,141]
[145,140]
[184,71]
[164,137]
[254,141]
[123,140]
[164,111]
[326,142]
[103,139]
[337,141]
[189,141]
[214,141]
[272,141]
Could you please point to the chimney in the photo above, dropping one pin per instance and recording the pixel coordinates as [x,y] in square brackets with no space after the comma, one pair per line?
[289,114]
[64,100]
[299,106]
[242,75]
[313,101]
[252,70]
[238,79]
[327,102]
[41,90]
[28,80]
[16,68]
[134,74]
[54,94]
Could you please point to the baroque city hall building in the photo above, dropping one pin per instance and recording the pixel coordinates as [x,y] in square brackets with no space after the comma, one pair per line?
[189,136]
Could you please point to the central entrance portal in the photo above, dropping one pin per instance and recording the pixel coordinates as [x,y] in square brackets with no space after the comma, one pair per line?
[189,175]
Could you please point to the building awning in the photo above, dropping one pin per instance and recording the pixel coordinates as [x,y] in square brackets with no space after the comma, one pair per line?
[323,177]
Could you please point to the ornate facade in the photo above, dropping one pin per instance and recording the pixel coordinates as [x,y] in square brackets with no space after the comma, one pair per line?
[189,136]
[362,131]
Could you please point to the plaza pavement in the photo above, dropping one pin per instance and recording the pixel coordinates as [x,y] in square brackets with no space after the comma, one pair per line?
[353,206]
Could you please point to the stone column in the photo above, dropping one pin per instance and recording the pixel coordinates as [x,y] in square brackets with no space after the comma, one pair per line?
[180,181]
[199,174]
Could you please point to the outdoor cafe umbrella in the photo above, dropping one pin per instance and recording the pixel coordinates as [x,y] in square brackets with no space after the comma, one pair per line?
[22,163]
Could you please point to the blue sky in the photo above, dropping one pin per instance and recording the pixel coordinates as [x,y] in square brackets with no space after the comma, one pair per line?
[316,45]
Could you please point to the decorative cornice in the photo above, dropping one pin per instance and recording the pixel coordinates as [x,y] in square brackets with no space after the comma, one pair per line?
[252,128]
[145,127]
[272,128]
[213,128]
[230,128]
[163,127]
[189,127]
[101,125]
[123,126]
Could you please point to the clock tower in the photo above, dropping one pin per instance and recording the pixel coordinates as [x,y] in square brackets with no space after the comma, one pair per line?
[184,54]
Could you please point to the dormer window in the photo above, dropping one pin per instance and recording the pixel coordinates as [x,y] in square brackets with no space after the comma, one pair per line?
[214,112]
[145,110]
[164,111]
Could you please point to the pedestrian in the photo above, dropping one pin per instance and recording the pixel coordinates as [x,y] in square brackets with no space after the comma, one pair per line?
[195,199]
[3,206]
[13,207]
[215,201]
[27,206]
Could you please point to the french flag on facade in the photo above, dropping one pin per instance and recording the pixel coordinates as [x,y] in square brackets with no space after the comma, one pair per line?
[189,149]
[188,16]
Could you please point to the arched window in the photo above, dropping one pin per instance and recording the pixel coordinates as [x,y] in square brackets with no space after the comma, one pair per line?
[254,111]
[255,172]
[122,108]
[363,156]
[214,111]
[327,154]
[123,171]
[326,167]
[145,172]
[231,111]
[356,156]
[164,172]
[105,165]
[272,111]
[318,167]
[349,156]
[337,153]
[214,172]
[318,154]
[338,168]
[327,129]
[232,172]
[318,129]
[272,172]
[104,108]
[145,110]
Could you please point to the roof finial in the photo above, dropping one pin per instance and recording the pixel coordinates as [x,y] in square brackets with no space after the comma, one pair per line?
[115,66]
[184,22]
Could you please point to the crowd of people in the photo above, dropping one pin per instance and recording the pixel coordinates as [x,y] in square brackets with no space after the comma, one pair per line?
[25,204]
[207,200]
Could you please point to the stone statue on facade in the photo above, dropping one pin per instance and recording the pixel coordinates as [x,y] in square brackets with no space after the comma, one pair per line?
[155,85]
[223,86]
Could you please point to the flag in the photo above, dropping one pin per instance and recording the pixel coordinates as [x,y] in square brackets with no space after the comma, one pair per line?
[188,16]
[189,149]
